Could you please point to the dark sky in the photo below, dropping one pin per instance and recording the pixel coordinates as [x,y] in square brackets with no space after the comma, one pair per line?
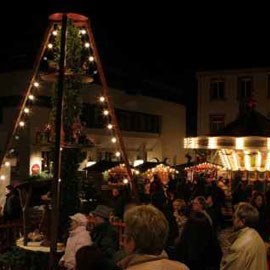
[165,42]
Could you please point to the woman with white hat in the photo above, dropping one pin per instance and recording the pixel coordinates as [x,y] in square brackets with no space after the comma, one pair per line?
[78,238]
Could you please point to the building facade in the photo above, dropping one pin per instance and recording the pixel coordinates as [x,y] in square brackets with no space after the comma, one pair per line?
[151,127]
[222,95]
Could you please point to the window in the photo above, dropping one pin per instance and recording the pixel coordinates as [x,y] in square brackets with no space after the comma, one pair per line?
[217,122]
[245,88]
[127,120]
[217,90]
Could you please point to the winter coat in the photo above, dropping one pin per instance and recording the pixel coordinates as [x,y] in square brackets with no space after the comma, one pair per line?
[150,262]
[247,251]
[78,238]
[105,238]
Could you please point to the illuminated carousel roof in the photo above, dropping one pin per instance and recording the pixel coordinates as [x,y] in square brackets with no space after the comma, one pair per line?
[242,145]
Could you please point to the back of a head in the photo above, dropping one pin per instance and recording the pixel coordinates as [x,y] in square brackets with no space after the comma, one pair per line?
[148,227]
[248,214]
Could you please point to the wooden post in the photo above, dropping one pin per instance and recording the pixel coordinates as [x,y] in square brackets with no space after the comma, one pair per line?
[27,92]
[58,133]
[112,112]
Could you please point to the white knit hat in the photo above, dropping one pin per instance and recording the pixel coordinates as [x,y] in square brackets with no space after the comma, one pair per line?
[80,218]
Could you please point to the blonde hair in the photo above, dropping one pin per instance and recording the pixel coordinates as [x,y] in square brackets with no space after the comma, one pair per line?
[148,227]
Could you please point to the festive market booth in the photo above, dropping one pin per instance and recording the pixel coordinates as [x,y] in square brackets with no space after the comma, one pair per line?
[164,171]
[209,170]
[242,147]
[113,173]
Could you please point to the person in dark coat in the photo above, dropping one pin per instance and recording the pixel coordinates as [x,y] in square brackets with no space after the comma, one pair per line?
[104,235]
[198,246]
[12,207]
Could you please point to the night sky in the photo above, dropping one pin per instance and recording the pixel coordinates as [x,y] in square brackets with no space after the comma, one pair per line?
[162,42]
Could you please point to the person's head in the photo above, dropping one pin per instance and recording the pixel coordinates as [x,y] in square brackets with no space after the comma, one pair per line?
[178,204]
[257,199]
[115,192]
[101,214]
[199,204]
[78,220]
[9,189]
[209,200]
[245,215]
[146,230]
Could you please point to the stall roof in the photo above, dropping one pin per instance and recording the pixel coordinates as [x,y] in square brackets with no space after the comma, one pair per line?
[148,165]
[102,166]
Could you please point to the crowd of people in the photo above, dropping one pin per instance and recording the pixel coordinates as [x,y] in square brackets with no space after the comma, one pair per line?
[175,226]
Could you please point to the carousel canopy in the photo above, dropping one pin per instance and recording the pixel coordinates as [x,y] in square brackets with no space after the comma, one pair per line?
[242,145]
[251,123]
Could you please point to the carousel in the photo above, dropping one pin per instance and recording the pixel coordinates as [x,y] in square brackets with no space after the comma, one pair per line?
[242,148]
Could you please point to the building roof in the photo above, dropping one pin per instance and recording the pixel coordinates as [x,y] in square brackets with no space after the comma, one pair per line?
[250,123]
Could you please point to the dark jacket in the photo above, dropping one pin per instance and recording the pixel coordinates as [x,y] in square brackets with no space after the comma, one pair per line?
[105,238]
[12,207]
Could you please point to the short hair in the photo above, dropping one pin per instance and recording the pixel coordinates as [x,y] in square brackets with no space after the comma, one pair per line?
[148,227]
[247,213]
[202,201]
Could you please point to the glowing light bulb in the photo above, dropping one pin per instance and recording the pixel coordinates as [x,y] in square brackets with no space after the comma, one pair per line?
[22,124]
[26,110]
[113,140]
[110,126]
[31,97]
[54,33]
[125,181]
[118,154]
[2,177]
[36,84]
[106,112]
[83,31]
[102,99]
[17,137]
[50,46]
[91,59]
[87,45]
[7,164]
[45,58]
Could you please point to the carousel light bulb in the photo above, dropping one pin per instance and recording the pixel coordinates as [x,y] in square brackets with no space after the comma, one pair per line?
[45,58]
[2,177]
[17,137]
[125,181]
[83,31]
[54,33]
[50,46]
[110,126]
[91,58]
[31,97]
[7,164]
[95,72]
[113,140]
[26,110]
[87,45]
[36,84]
[118,154]
[102,99]
[106,112]
[22,124]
